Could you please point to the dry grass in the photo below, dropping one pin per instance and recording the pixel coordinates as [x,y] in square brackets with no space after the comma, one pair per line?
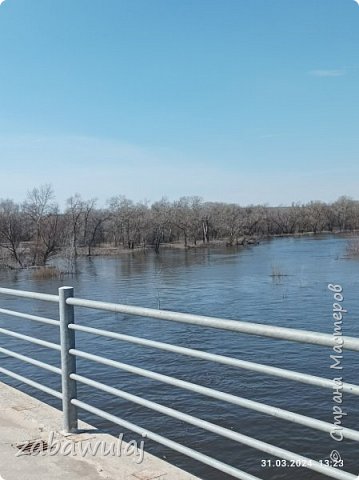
[353,248]
[277,272]
[46,273]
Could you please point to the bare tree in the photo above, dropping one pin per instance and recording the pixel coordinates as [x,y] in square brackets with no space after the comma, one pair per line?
[42,214]
[12,229]
[94,231]
[316,217]
[160,223]
[346,213]
[75,212]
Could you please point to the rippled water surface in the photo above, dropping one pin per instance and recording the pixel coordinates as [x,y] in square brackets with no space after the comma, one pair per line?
[235,284]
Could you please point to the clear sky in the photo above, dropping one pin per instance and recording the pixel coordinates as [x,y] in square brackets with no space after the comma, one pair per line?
[248,101]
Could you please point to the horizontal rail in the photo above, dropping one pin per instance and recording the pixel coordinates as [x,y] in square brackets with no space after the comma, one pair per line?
[32,361]
[238,437]
[37,341]
[282,333]
[226,397]
[69,377]
[233,362]
[27,316]
[31,295]
[31,383]
[189,452]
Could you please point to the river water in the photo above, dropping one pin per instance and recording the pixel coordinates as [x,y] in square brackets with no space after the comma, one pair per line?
[231,283]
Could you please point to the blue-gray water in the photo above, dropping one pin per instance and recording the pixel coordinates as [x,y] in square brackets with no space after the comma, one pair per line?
[235,284]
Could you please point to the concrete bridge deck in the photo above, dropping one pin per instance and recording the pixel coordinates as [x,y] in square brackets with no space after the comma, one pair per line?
[24,419]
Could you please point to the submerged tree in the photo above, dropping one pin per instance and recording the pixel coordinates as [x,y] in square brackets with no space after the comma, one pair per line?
[12,230]
[42,216]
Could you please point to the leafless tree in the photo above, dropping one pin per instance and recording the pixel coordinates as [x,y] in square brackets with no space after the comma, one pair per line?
[12,229]
[75,213]
[43,218]
[94,231]
[159,224]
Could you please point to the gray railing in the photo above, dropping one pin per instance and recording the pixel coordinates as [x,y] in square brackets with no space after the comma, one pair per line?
[70,378]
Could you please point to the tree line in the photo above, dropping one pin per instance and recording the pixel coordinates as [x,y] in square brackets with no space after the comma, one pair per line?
[33,231]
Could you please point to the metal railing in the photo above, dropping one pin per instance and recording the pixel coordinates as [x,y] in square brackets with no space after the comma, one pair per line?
[69,353]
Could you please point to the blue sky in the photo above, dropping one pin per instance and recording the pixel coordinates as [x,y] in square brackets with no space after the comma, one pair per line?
[248,101]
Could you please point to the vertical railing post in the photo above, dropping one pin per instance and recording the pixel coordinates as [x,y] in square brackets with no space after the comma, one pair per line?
[68,362]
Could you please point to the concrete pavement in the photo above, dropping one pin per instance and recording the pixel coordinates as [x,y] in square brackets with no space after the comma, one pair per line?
[24,419]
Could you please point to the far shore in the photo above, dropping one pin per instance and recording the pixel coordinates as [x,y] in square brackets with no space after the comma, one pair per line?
[107,250]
